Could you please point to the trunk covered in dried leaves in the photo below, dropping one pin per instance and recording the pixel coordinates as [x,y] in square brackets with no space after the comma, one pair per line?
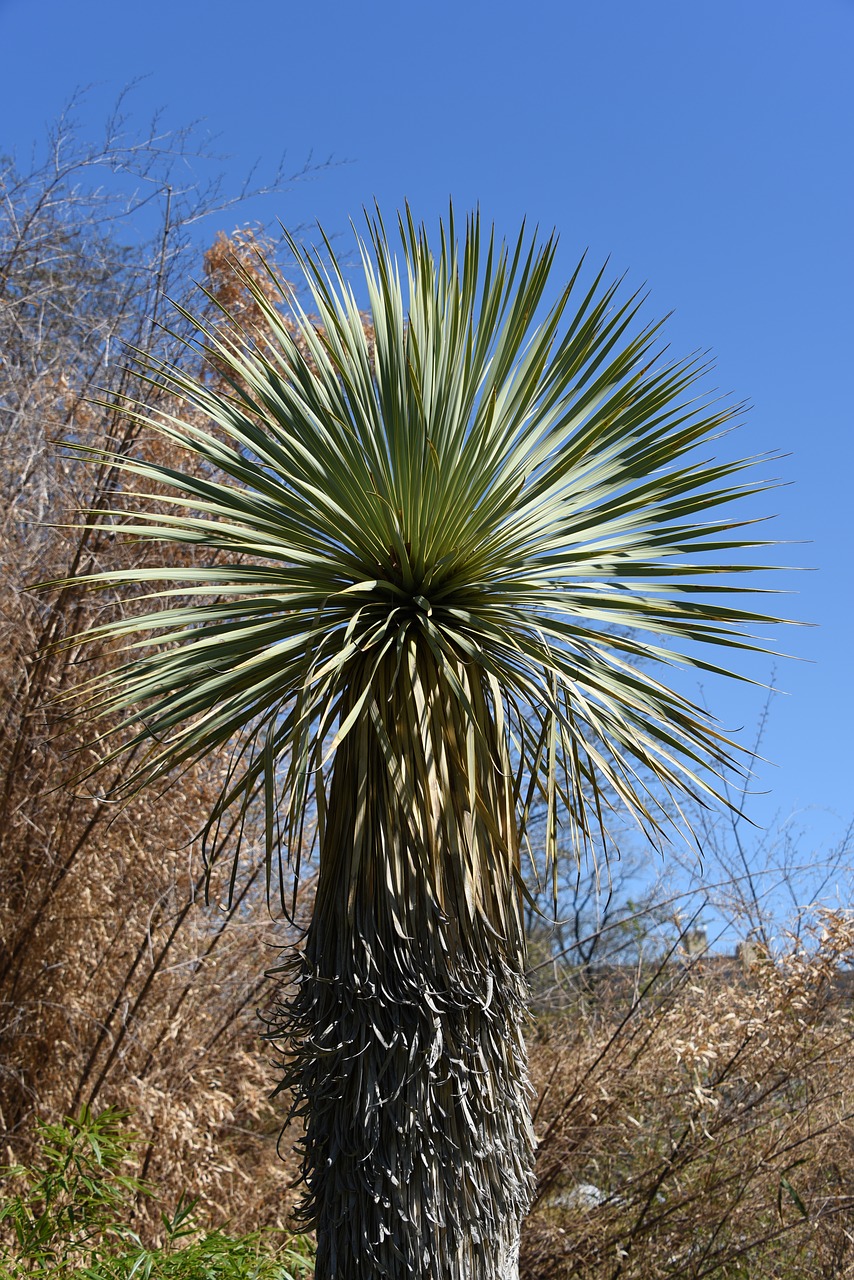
[404,1035]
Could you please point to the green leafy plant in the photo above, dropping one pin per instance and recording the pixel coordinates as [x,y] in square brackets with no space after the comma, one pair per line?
[437,542]
[73,1196]
[70,1218]
[188,1252]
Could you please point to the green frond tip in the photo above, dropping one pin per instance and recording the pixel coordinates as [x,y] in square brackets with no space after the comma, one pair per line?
[522,492]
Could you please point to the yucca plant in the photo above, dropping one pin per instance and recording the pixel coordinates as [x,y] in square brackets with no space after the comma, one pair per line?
[445,537]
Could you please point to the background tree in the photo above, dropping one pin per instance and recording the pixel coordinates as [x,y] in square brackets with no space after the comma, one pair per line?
[761,884]
[594,914]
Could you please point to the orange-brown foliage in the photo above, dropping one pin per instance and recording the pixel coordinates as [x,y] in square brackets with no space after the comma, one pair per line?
[118,984]
[702,1126]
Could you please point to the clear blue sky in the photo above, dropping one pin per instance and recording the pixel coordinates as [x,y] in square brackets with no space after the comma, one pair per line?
[707,147]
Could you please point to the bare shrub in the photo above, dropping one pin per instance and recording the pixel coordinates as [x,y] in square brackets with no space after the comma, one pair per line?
[118,985]
[700,1122]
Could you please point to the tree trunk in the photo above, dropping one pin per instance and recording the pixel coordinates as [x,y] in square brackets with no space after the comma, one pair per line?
[404,1042]
[417,1147]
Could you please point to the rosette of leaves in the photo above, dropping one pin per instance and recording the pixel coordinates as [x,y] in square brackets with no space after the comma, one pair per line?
[436,545]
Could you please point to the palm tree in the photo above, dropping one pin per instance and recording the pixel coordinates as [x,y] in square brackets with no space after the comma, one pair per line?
[443,540]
